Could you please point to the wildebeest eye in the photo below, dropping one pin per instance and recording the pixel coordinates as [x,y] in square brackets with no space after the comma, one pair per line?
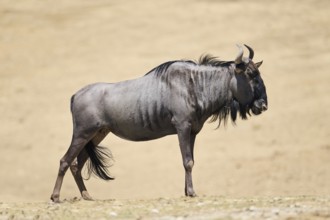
[256,80]
[252,73]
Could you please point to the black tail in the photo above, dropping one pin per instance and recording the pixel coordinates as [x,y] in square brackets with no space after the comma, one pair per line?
[100,158]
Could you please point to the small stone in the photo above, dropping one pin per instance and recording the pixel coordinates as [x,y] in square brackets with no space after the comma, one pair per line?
[275,211]
[114,214]
[156,211]
[251,209]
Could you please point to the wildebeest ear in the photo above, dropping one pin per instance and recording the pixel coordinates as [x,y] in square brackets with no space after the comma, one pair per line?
[258,64]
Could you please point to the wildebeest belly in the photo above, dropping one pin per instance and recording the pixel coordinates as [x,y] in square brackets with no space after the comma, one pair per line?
[138,130]
[139,121]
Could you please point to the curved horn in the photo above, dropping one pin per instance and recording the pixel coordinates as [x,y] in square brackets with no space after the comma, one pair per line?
[251,52]
[239,57]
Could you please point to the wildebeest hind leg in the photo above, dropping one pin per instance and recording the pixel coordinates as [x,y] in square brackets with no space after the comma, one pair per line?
[79,140]
[76,168]
[78,164]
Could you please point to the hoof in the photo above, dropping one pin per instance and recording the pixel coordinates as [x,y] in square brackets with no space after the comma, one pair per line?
[86,196]
[55,199]
[190,193]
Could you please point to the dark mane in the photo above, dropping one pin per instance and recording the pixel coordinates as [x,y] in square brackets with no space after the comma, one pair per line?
[231,109]
[209,60]
[162,67]
[204,60]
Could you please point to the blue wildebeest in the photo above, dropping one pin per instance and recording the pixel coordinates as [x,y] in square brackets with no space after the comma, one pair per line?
[176,97]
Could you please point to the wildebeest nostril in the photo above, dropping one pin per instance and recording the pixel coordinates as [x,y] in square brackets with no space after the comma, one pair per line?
[264,107]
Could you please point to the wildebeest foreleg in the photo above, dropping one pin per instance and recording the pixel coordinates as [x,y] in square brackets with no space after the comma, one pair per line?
[186,142]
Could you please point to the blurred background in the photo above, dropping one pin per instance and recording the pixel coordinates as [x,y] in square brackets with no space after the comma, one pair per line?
[50,50]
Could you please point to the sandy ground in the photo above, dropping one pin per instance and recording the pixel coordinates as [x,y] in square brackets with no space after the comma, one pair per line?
[217,208]
[48,51]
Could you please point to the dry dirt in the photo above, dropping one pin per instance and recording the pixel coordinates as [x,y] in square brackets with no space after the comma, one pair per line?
[210,207]
[273,163]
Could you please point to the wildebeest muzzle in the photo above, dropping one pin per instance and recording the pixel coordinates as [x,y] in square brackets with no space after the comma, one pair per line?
[259,106]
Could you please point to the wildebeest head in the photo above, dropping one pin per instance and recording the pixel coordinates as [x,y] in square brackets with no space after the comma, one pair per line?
[247,87]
